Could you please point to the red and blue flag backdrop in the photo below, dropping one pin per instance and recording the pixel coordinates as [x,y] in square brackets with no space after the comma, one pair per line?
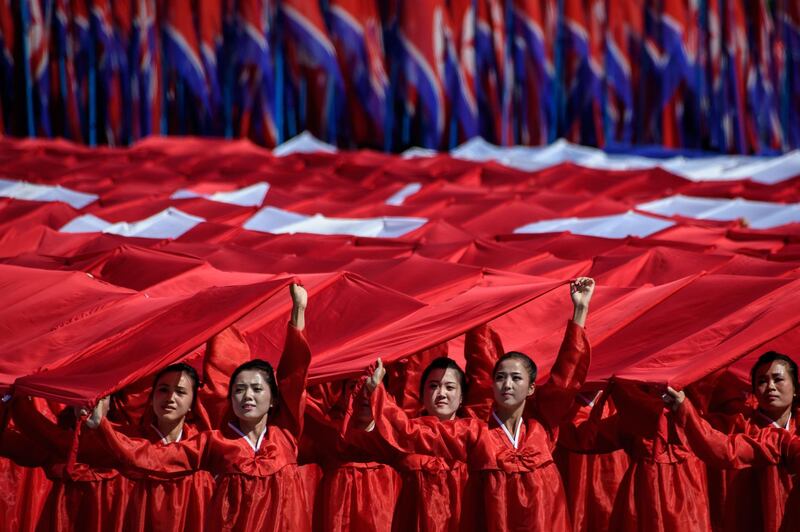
[719,75]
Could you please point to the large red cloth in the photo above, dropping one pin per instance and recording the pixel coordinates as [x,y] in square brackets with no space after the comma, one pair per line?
[256,489]
[509,487]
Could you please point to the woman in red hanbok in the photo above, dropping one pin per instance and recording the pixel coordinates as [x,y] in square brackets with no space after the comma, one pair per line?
[359,486]
[757,497]
[591,481]
[433,487]
[513,482]
[254,456]
[22,479]
[84,496]
[152,504]
[180,503]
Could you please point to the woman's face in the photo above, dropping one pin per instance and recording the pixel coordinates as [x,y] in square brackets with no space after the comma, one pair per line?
[173,396]
[774,388]
[441,393]
[251,395]
[512,384]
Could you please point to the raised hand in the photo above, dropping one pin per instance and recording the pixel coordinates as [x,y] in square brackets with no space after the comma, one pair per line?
[299,295]
[673,398]
[580,291]
[377,376]
[99,412]
[299,302]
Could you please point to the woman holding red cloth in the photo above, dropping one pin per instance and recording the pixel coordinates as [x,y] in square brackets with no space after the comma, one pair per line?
[757,492]
[254,456]
[85,494]
[359,486]
[180,503]
[513,481]
[432,487]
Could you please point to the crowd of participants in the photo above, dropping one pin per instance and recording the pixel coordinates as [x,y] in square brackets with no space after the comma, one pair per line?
[433,447]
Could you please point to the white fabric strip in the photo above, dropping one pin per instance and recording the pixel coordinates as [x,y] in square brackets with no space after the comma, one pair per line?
[279,221]
[33,192]
[305,142]
[399,197]
[250,196]
[758,214]
[169,223]
[614,226]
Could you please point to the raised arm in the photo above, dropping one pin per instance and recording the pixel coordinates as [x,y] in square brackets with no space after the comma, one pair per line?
[428,436]
[482,348]
[553,400]
[736,451]
[293,366]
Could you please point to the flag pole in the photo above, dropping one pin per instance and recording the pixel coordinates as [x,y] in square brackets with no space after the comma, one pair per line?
[26,53]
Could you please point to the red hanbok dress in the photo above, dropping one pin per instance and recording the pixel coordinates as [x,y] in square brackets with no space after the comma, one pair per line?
[513,481]
[22,480]
[83,497]
[761,492]
[166,504]
[591,481]
[359,487]
[259,486]
[433,488]
[665,486]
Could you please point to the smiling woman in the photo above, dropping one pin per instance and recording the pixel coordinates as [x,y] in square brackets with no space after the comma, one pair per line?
[254,455]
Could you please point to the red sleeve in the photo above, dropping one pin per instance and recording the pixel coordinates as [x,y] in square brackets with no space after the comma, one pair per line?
[158,461]
[553,400]
[319,401]
[448,440]
[595,433]
[22,450]
[38,427]
[482,348]
[292,376]
[224,353]
[735,451]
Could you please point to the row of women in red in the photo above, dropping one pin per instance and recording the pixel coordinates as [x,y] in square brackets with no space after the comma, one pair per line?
[165,468]
[480,454]
[164,473]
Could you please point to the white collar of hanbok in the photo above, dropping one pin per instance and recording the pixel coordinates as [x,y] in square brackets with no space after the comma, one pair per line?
[514,439]
[256,446]
[164,439]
